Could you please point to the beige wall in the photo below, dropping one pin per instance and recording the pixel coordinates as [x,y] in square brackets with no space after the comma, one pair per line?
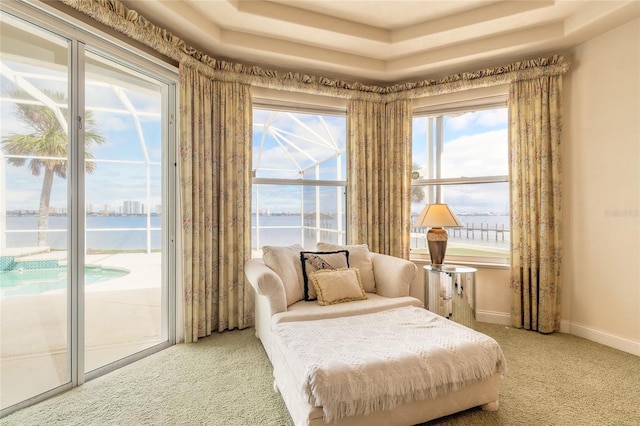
[601,150]
[601,198]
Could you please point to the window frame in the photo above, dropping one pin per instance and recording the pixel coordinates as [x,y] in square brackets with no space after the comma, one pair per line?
[473,104]
[85,38]
[280,105]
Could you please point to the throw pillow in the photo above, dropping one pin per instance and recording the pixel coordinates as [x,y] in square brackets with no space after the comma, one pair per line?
[285,261]
[337,286]
[359,257]
[313,261]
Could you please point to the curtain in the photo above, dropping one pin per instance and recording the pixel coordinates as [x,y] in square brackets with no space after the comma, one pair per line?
[397,178]
[379,181]
[215,191]
[535,119]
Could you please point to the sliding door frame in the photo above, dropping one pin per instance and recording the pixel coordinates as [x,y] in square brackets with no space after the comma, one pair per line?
[85,38]
[76,242]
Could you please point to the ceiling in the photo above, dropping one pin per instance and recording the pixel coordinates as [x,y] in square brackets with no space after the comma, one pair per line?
[383,41]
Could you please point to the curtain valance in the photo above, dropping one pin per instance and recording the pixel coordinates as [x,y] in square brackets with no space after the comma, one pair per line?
[130,23]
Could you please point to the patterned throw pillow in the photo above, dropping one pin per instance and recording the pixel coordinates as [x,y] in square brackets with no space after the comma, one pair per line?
[359,257]
[313,261]
[337,286]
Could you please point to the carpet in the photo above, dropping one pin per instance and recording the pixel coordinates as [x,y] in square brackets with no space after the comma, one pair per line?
[226,379]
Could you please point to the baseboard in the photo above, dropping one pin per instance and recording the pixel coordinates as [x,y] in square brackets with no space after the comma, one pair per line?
[493,317]
[602,337]
[568,327]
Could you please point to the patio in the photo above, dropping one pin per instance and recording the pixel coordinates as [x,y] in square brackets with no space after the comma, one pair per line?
[123,316]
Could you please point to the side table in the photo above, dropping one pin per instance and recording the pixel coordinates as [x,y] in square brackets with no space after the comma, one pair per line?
[433,297]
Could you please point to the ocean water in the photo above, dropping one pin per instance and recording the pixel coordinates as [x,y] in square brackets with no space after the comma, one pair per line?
[103,232]
[287,230]
[129,232]
[292,229]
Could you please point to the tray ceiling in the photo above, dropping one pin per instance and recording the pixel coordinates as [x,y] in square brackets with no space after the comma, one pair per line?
[383,41]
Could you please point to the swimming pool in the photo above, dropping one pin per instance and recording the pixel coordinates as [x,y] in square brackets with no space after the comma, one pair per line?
[25,282]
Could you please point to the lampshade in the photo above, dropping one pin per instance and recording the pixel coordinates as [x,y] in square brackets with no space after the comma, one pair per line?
[437,215]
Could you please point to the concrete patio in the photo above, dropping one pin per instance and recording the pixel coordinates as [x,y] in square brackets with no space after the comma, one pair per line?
[122,317]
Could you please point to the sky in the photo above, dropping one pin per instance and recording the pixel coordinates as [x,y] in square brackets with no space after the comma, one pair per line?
[474,144]
[121,167]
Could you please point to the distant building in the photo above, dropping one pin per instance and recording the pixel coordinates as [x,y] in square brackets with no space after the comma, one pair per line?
[132,207]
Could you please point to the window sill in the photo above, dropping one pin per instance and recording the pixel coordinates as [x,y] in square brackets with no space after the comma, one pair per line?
[475,263]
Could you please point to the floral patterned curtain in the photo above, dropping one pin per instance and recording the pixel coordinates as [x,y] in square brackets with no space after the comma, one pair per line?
[535,122]
[215,190]
[379,168]
[397,178]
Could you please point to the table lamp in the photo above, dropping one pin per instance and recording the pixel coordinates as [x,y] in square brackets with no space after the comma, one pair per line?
[436,216]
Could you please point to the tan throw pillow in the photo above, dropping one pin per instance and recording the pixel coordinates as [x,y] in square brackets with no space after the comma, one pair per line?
[337,286]
[313,261]
[285,261]
[359,257]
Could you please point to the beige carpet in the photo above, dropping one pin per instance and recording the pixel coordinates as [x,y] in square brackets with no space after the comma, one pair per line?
[226,380]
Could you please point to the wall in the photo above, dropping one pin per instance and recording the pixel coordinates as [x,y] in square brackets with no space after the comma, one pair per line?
[601,198]
[601,167]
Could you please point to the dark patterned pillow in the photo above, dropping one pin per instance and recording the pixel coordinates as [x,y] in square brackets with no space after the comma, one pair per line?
[313,261]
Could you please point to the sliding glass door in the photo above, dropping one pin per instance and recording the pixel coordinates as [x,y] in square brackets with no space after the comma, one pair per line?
[123,215]
[34,197]
[86,208]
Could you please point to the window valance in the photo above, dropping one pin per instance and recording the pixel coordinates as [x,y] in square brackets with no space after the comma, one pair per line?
[130,23]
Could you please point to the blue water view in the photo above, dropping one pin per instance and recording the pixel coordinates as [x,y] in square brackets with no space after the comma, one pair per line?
[130,233]
[286,229]
[103,232]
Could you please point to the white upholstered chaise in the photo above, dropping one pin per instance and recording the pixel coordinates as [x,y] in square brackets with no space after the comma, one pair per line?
[280,300]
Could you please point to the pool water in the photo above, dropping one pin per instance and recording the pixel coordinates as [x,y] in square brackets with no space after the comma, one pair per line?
[35,281]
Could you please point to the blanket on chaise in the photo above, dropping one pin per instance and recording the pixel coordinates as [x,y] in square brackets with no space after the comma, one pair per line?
[363,364]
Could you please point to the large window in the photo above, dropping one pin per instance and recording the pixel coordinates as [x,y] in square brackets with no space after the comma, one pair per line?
[460,158]
[299,171]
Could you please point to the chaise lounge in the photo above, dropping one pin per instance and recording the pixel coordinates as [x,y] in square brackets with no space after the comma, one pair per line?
[349,346]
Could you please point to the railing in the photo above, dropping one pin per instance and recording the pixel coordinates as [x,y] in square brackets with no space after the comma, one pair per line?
[295,233]
[146,246]
[470,230]
[481,236]
[484,228]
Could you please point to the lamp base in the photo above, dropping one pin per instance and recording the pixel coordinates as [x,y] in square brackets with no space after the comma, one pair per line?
[437,243]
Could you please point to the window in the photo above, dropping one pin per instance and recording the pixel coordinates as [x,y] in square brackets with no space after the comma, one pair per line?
[460,158]
[299,170]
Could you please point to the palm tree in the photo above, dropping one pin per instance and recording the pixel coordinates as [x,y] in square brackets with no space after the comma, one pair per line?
[48,147]
[417,192]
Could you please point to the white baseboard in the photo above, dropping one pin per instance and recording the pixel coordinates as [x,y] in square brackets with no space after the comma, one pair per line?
[602,337]
[493,317]
[579,330]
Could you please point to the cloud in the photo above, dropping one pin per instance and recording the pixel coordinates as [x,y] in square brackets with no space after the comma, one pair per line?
[482,154]
[475,144]
[477,120]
